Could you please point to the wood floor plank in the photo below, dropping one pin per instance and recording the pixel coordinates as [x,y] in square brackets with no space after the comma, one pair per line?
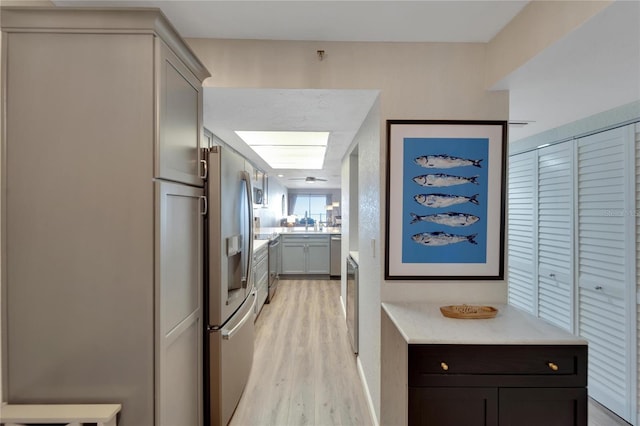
[600,416]
[303,372]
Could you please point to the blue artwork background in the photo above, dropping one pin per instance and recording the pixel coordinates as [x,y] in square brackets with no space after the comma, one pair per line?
[462,252]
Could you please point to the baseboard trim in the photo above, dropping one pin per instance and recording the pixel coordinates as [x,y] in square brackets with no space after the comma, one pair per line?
[367,394]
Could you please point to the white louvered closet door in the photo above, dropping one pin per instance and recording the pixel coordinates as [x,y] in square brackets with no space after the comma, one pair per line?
[555,234]
[521,230]
[606,268]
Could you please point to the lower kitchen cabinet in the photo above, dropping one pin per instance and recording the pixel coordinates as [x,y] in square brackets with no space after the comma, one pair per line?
[542,406]
[261,275]
[490,385]
[306,254]
[453,406]
[514,369]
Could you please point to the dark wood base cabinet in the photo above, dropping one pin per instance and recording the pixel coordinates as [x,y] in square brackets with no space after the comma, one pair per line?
[489,385]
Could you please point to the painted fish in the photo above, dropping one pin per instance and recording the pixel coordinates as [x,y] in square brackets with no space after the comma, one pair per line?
[444,200]
[440,179]
[445,162]
[449,218]
[442,238]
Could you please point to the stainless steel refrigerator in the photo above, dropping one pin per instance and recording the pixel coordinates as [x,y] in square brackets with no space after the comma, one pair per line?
[228,286]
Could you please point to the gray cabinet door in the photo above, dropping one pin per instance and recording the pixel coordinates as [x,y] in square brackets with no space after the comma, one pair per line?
[293,258]
[306,254]
[180,120]
[178,304]
[77,220]
[318,257]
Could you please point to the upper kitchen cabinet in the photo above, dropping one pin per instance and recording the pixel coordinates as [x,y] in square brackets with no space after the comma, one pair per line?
[157,58]
[180,119]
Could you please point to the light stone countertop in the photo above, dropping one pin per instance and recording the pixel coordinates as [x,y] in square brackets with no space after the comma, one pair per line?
[258,244]
[423,323]
[355,256]
[297,230]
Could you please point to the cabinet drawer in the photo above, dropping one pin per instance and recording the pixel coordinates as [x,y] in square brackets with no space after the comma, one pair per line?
[260,254]
[305,238]
[508,365]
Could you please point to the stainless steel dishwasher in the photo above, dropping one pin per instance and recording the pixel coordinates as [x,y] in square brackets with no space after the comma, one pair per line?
[336,257]
[352,302]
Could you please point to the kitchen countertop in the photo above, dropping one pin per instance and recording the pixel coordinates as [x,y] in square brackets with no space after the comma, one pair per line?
[297,231]
[258,244]
[423,323]
[355,256]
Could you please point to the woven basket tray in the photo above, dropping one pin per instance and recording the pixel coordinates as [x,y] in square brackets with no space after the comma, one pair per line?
[468,311]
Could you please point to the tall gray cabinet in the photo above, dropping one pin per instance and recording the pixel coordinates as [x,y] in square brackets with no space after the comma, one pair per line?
[101,213]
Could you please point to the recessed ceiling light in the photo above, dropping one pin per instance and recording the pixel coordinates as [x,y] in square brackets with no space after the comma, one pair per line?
[288,150]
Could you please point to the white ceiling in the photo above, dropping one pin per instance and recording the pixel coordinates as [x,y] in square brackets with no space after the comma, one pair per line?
[595,68]
[326,20]
[341,111]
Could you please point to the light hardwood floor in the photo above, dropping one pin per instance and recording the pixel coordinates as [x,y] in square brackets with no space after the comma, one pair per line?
[600,416]
[304,372]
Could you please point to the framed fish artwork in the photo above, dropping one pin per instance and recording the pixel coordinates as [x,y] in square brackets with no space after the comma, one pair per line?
[445,193]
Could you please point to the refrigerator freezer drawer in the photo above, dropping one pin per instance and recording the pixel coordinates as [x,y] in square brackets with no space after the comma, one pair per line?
[231,357]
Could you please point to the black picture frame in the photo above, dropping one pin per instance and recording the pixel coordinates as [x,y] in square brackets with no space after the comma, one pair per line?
[445,199]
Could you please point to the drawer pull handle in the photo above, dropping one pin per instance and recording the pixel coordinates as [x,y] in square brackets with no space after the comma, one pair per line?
[444,366]
[553,366]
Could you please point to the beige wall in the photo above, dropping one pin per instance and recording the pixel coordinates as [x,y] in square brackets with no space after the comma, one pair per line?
[416,81]
[536,27]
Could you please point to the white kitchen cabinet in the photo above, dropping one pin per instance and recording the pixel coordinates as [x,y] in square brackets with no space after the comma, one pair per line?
[102,264]
[306,254]
[261,275]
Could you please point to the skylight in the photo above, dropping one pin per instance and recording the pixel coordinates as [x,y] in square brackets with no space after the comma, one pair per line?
[288,150]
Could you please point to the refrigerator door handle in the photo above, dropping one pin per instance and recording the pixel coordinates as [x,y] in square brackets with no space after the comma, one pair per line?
[246,177]
[228,334]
